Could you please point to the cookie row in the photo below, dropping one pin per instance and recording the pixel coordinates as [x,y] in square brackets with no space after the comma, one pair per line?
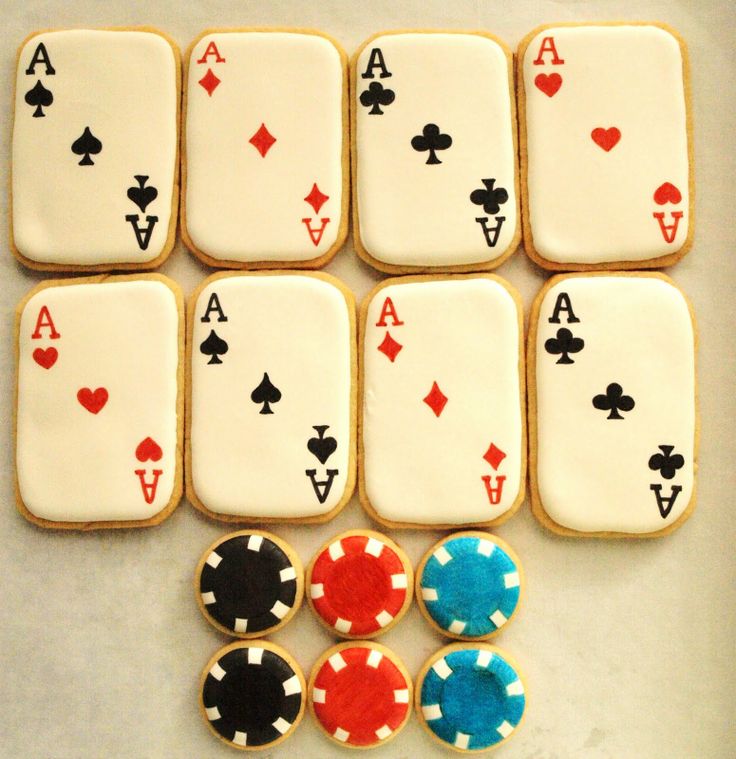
[275,400]
[600,176]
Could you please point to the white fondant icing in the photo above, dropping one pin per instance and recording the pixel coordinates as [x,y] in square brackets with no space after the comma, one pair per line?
[122,85]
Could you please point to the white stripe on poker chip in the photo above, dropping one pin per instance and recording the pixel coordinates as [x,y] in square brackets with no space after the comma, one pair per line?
[280,609]
[373,547]
[374,658]
[292,686]
[429,594]
[433,711]
[335,550]
[456,626]
[505,729]
[442,555]
[461,740]
[498,618]
[240,739]
[398,581]
[214,559]
[316,590]
[342,625]
[217,671]
[383,732]
[341,735]
[401,696]
[485,547]
[319,695]
[212,713]
[255,542]
[511,580]
[442,669]
[255,655]
[241,625]
[337,662]
[287,574]
[282,725]
[484,658]
[384,618]
[208,598]
[515,689]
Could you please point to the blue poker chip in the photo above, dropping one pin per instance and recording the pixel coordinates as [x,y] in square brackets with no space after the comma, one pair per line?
[469,585]
[471,698]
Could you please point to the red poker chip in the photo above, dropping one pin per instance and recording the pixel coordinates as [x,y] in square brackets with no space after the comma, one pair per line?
[361,694]
[359,584]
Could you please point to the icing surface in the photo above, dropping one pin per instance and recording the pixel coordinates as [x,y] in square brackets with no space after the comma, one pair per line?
[420,214]
[67,213]
[605,130]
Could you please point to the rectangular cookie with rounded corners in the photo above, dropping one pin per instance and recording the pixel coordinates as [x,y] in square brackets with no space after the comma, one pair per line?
[443,433]
[272,386]
[265,148]
[95,165]
[435,175]
[613,418]
[100,401]
[606,146]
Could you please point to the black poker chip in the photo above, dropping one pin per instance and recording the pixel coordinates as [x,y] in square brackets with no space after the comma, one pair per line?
[249,583]
[252,694]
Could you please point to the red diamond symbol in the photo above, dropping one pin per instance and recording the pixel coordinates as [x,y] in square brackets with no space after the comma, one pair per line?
[390,347]
[494,456]
[316,199]
[262,140]
[436,399]
[210,81]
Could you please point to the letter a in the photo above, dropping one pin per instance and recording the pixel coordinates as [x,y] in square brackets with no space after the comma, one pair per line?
[563,303]
[388,309]
[44,320]
[376,60]
[494,494]
[41,55]
[213,304]
[669,231]
[211,50]
[665,504]
[149,488]
[547,46]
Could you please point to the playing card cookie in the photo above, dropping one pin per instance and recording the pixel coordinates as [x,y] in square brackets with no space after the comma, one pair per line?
[612,405]
[435,181]
[359,584]
[272,388]
[265,167]
[95,150]
[443,425]
[100,401]
[606,146]
[360,694]
[252,694]
[469,585]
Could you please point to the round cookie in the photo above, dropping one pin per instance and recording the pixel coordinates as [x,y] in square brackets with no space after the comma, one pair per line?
[249,583]
[469,584]
[359,584]
[470,696]
[252,694]
[359,694]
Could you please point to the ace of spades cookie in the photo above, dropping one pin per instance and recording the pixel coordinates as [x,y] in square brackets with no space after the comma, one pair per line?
[613,418]
[265,148]
[272,397]
[434,152]
[95,149]
[443,427]
[100,400]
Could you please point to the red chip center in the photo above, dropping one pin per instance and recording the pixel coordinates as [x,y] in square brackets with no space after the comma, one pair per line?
[358,587]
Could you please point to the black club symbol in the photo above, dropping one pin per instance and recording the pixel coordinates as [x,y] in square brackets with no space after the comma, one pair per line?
[489,197]
[564,344]
[376,96]
[431,139]
[614,401]
[666,462]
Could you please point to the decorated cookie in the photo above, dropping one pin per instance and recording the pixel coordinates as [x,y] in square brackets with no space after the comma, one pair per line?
[359,584]
[612,412]
[360,694]
[606,146]
[272,367]
[434,152]
[469,585]
[252,694]
[249,583]
[470,696]
[443,430]
[265,178]
[95,149]
[100,401]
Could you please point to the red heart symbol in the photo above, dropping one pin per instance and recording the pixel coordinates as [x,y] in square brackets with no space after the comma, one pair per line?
[92,400]
[147,449]
[667,193]
[548,83]
[45,357]
[606,138]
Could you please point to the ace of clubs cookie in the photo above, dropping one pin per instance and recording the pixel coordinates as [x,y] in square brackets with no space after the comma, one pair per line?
[605,146]
[95,149]
[443,434]
[266,153]
[434,152]
[99,422]
[612,414]
[272,387]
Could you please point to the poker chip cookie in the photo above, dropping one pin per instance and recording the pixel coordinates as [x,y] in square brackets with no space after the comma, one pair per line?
[469,585]
[252,694]
[470,696]
[249,583]
[359,584]
[360,694]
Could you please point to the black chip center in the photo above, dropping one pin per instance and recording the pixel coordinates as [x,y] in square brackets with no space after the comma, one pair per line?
[250,698]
